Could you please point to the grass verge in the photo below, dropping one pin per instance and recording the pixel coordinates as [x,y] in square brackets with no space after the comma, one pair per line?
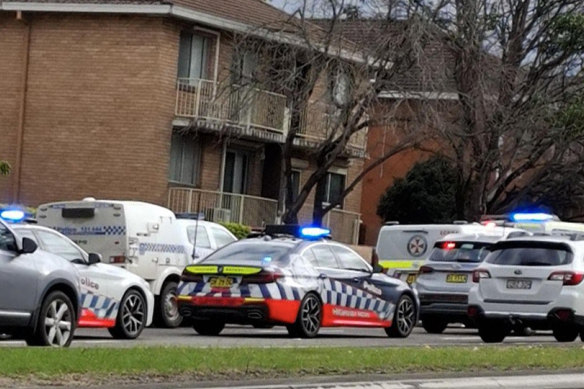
[212,363]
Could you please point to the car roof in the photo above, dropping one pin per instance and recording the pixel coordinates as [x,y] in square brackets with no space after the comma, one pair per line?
[198,222]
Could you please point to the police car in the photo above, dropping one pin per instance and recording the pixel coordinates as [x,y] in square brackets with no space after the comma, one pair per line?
[294,277]
[111,297]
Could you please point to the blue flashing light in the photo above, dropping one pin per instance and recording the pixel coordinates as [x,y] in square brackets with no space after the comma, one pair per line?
[314,232]
[531,217]
[267,259]
[13,215]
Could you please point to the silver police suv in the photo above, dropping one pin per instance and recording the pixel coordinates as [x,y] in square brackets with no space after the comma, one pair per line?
[39,292]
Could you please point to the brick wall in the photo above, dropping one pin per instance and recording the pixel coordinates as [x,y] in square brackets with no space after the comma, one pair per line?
[99,106]
[11,59]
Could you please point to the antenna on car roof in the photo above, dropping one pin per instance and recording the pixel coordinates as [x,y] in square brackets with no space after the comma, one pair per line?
[194,255]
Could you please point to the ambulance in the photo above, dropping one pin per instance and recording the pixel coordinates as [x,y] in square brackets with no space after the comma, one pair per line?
[143,238]
[537,223]
[402,249]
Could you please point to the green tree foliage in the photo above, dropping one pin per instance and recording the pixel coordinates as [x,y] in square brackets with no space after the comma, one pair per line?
[4,168]
[425,195]
[239,230]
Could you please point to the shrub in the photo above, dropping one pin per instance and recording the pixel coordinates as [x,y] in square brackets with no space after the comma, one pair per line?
[239,230]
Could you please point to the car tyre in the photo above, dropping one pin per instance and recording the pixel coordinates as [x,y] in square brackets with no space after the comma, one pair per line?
[208,327]
[131,318]
[434,324]
[492,331]
[404,318]
[56,322]
[309,318]
[565,333]
[167,313]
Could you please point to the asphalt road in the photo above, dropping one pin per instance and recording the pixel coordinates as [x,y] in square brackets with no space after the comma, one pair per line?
[238,336]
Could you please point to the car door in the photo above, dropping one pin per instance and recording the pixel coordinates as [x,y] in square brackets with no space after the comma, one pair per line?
[98,293]
[18,281]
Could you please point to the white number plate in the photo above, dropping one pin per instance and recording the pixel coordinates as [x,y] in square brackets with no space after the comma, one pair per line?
[518,284]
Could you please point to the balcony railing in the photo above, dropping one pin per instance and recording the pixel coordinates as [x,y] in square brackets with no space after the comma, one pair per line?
[320,120]
[224,207]
[231,104]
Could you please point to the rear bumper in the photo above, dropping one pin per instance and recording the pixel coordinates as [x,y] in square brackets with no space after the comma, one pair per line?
[557,315]
[238,310]
[444,304]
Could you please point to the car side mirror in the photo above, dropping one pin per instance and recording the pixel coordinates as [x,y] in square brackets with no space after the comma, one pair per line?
[93,258]
[377,268]
[29,246]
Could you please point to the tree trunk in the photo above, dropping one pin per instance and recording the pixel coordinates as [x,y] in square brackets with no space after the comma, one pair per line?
[317,213]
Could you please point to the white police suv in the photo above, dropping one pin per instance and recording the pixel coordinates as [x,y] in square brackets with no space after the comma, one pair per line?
[530,281]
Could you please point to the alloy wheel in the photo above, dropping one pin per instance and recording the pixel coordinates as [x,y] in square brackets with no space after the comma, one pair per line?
[310,314]
[58,323]
[133,314]
[406,315]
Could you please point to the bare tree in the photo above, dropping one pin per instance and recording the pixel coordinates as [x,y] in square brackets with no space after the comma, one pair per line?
[333,86]
[518,74]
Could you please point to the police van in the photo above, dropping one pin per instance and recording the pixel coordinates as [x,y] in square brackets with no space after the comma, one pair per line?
[143,238]
[402,249]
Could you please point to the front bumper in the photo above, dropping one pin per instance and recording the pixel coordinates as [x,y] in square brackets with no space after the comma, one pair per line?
[239,310]
[150,307]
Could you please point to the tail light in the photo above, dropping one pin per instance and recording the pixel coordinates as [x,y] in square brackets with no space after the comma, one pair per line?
[264,277]
[472,311]
[118,259]
[425,270]
[480,273]
[567,277]
[449,245]
[374,258]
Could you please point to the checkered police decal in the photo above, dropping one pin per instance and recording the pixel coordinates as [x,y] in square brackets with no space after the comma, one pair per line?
[332,292]
[114,230]
[161,248]
[103,307]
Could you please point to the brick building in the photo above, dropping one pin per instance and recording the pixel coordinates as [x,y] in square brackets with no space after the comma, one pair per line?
[126,99]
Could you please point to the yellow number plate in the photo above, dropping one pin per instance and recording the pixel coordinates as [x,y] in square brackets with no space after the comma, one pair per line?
[221,282]
[457,278]
[411,278]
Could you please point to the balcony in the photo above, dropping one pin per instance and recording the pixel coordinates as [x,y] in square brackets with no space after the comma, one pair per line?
[318,123]
[244,111]
[224,207]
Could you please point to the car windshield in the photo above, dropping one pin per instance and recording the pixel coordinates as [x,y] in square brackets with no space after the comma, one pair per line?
[250,253]
[460,251]
[535,254]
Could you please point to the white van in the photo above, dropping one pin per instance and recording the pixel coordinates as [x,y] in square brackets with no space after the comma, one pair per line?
[140,237]
[402,249]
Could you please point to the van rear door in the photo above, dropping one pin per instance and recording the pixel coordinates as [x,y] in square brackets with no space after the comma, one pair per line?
[96,226]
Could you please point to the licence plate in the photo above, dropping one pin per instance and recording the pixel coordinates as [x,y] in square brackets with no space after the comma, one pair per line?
[221,282]
[457,278]
[518,284]
[411,278]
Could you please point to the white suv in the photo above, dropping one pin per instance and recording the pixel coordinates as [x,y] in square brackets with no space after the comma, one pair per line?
[530,281]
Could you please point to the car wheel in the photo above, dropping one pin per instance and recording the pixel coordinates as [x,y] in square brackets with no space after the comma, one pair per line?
[493,331]
[404,318]
[434,324]
[208,327]
[167,309]
[131,318]
[309,318]
[565,332]
[56,323]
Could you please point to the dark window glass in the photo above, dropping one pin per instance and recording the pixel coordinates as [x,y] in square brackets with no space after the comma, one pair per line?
[460,252]
[185,157]
[335,185]
[251,252]
[530,256]
[192,56]
[295,178]
[7,240]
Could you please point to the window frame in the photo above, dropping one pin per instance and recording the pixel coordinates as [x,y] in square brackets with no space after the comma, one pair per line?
[367,269]
[319,266]
[198,153]
[327,196]
[205,56]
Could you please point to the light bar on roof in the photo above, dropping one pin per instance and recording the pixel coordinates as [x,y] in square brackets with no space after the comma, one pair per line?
[12,215]
[531,217]
[314,232]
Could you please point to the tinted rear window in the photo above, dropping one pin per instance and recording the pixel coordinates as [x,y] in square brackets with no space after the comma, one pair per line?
[250,253]
[540,254]
[460,252]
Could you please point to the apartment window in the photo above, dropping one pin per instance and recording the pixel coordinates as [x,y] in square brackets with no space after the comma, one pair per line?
[335,186]
[236,171]
[192,56]
[185,159]
[340,82]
